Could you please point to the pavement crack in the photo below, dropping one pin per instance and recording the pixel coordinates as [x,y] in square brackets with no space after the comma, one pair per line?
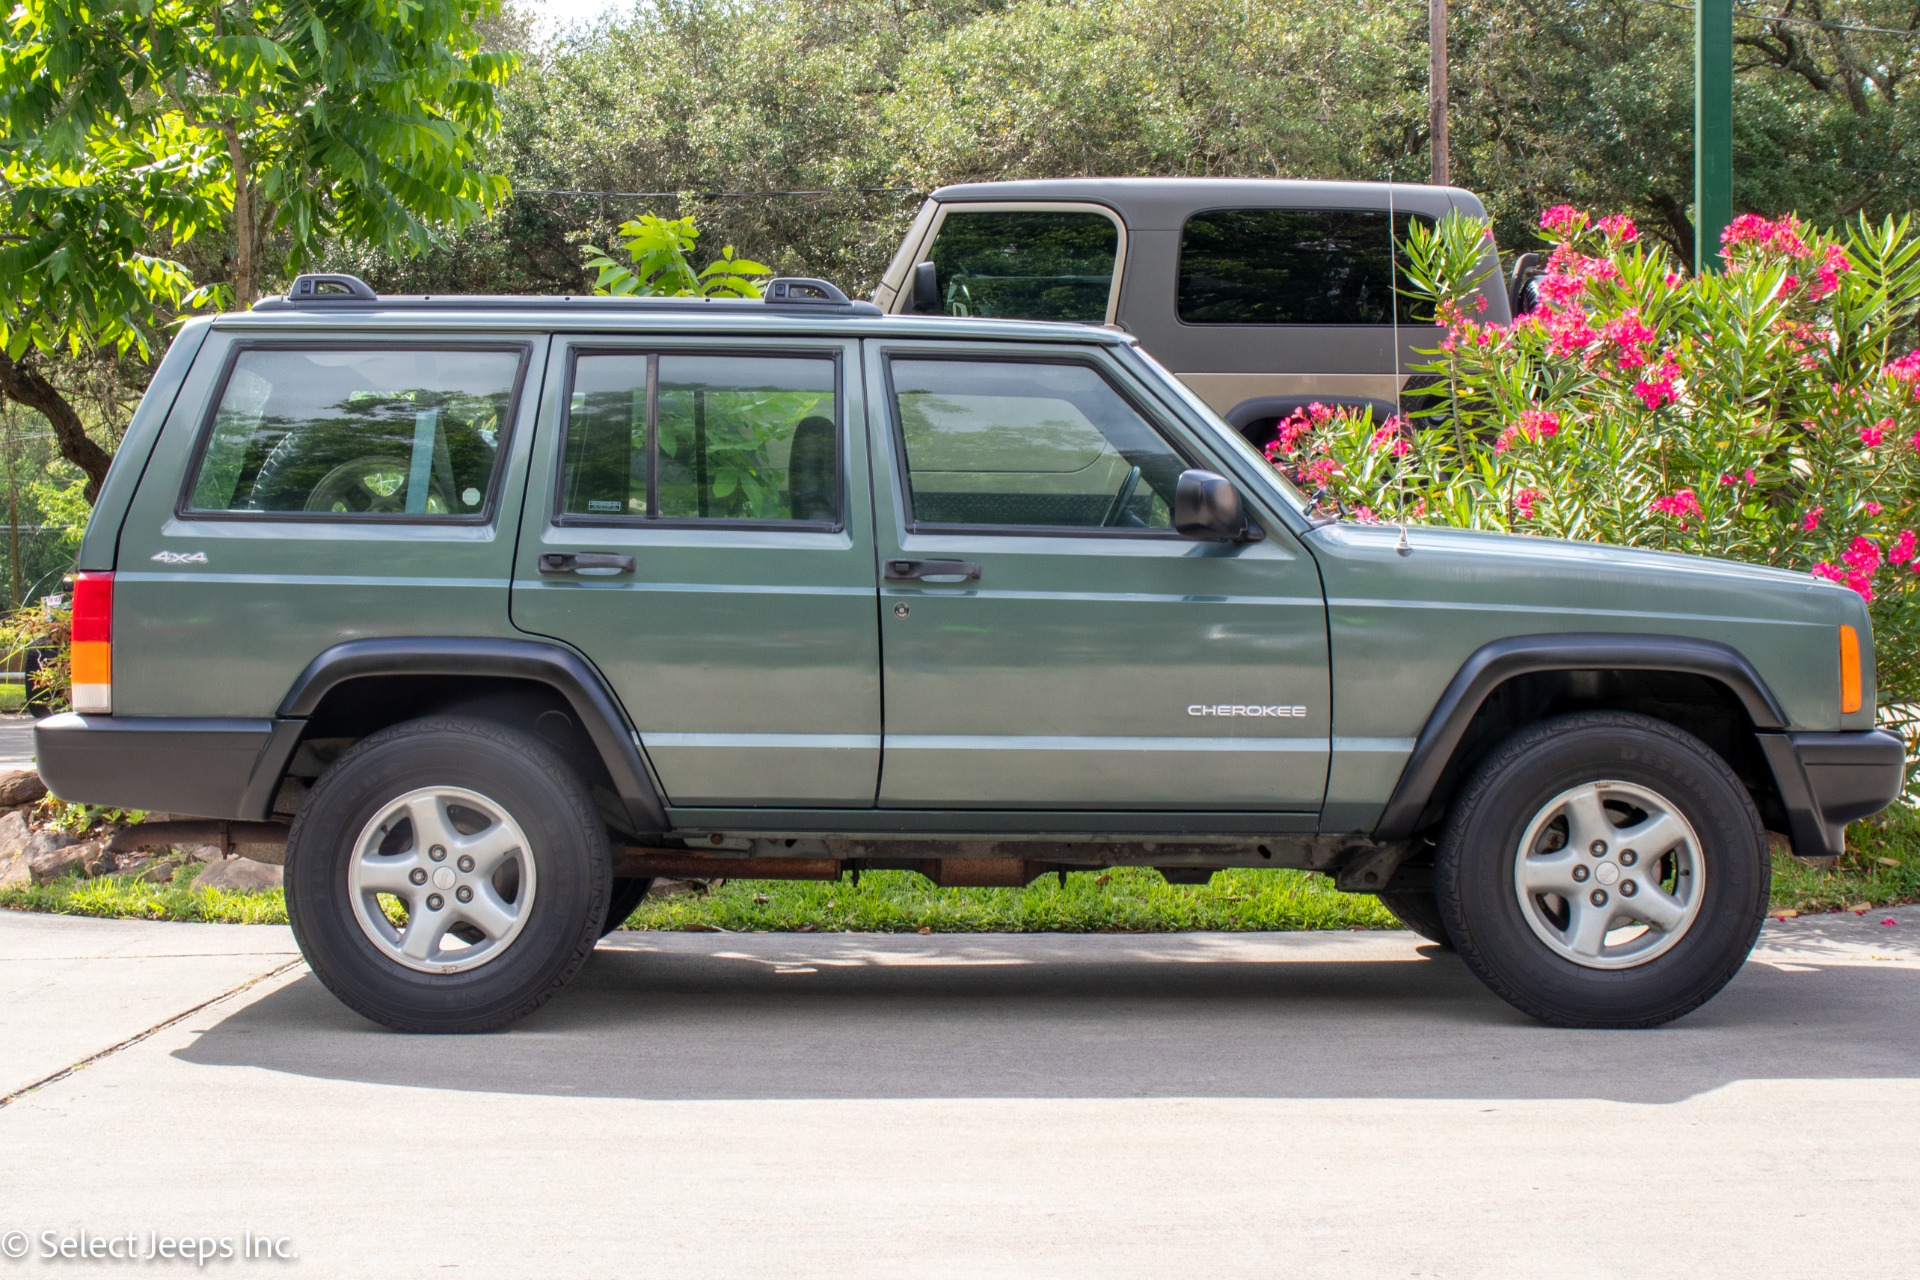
[137,1037]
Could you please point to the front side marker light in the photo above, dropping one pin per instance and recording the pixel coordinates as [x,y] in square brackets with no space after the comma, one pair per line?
[93,643]
[1849,671]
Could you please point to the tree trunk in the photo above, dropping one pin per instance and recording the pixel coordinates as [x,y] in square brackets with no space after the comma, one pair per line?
[29,387]
[245,268]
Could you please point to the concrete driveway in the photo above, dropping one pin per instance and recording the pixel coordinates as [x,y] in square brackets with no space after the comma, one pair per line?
[705,1105]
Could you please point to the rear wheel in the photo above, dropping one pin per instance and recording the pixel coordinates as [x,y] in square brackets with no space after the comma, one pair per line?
[447,875]
[1603,870]
[1419,912]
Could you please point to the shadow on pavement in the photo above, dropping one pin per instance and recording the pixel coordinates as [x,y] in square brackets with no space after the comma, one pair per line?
[845,1016]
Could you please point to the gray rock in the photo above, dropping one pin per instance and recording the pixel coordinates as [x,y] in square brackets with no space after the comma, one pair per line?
[160,872]
[67,858]
[14,834]
[662,887]
[205,853]
[21,786]
[240,875]
[14,870]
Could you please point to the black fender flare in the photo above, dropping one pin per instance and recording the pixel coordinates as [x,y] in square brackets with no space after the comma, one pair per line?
[560,668]
[1493,664]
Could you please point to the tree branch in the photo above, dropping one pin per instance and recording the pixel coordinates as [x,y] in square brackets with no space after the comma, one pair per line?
[27,386]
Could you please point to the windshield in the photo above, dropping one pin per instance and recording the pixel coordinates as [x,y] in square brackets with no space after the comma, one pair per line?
[1233,439]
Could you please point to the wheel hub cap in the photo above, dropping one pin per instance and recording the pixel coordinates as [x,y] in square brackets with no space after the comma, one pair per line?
[454,867]
[1609,875]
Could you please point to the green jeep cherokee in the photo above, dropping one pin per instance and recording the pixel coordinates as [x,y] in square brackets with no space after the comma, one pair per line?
[500,607]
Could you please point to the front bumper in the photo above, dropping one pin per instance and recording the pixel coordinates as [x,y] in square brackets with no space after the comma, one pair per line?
[198,768]
[1827,780]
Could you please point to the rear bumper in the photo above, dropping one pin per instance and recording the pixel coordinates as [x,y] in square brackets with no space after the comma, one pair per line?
[1827,780]
[202,768]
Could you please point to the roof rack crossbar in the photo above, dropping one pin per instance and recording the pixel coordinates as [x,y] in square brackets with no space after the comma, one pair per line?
[804,289]
[330,286]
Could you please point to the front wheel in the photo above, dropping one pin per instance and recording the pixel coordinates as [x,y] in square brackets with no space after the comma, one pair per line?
[447,875]
[1603,869]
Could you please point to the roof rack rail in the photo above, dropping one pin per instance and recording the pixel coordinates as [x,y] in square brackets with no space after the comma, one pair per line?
[330,286]
[795,295]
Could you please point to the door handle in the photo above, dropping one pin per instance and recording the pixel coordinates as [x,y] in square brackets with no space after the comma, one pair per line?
[935,571]
[594,564]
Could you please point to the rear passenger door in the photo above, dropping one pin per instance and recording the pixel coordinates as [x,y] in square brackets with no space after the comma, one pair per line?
[311,488]
[1049,642]
[698,524]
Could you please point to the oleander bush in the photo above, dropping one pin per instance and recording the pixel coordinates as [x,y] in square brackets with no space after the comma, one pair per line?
[1767,413]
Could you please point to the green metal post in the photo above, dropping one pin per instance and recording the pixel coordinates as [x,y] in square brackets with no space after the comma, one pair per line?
[1712,129]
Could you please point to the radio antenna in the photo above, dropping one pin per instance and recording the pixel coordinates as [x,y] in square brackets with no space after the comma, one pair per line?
[1403,547]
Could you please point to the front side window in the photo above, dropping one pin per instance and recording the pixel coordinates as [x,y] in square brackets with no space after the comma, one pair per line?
[702,437]
[1291,266]
[1027,265]
[1029,445]
[402,432]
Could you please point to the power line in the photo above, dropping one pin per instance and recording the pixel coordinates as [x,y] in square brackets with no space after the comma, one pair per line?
[1909,32]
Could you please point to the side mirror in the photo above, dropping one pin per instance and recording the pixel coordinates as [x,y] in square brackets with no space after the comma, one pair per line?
[1207,506]
[924,298]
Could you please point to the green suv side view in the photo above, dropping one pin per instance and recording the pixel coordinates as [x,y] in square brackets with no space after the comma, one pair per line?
[499,607]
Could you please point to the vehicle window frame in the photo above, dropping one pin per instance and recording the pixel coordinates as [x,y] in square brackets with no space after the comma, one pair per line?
[904,479]
[559,517]
[1180,258]
[183,508]
[950,207]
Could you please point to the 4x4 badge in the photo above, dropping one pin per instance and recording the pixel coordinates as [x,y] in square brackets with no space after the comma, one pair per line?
[180,557]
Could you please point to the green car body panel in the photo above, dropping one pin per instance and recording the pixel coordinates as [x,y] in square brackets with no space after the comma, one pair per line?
[777,681]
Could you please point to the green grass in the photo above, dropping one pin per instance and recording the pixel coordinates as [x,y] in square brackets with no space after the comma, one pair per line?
[13,698]
[1124,900]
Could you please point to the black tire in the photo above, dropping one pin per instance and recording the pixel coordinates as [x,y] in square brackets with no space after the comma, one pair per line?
[627,895]
[306,470]
[1420,912]
[1480,843]
[564,838]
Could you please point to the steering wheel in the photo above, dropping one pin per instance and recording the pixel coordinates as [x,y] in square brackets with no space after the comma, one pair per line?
[1121,499]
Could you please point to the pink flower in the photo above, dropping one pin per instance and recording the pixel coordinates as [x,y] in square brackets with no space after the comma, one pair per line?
[1906,368]
[1673,279]
[1904,548]
[1389,438]
[1776,237]
[1876,435]
[1811,521]
[1872,508]
[1832,268]
[1562,217]
[1631,337]
[1660,386]
[1525,501]
[1863,556]
[1861,582]
[1681,504]
[1534,424]
[1619,228]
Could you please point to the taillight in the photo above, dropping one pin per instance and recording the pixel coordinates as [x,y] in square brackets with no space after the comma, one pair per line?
[93,643]
[1850,697]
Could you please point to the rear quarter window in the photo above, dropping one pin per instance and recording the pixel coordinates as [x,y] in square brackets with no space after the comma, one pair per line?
[1027,264]
[324,432]
[1291,266]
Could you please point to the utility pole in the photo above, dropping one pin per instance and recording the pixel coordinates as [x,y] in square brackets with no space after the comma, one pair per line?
[1437,89]
[1712,129]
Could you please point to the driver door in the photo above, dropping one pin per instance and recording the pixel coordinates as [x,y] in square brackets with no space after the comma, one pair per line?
[1047,640]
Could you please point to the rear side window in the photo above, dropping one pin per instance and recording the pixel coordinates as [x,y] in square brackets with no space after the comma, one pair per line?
[1290,266]
[330,432]
[1029,445]
[733,437]
[1027,265]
